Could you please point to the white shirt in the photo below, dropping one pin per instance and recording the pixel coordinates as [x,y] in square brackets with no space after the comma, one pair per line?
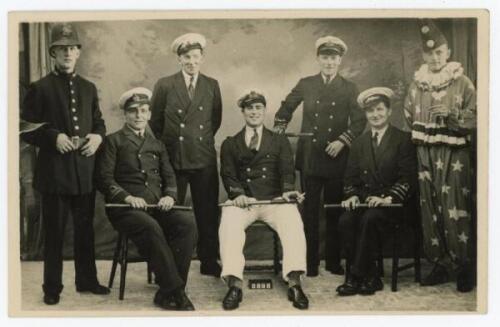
[187,79]
[327,78]
[136,132]
[249,131]
[380,133]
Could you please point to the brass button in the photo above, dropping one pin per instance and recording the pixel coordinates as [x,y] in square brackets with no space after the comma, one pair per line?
[329,129]
[73,109]
[181,138]
[263,176]
[182,125]
[264,169]
[75,118]
[179,111]
[146,183]
[317,101]
[248,180]
[70,83]
[201,126]
[73,100]
[315,128]
[200,108]
[316,115]
[331,116]
[314,140]
[333,103]
[248,169]
[72,92]
[77,127]
[201,138]
[143,171]
[139,155]
[154,156]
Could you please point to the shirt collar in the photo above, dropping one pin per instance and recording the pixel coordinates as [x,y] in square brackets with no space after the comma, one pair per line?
[331,77]
[136,132]
[249,130]
[380,132]
[187,78]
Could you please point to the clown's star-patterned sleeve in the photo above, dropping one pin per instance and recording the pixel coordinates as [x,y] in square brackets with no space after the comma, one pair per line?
[357,119]
[288,106]
[106,163]
[167,174]
[463,119]
[407,171]
[229,170]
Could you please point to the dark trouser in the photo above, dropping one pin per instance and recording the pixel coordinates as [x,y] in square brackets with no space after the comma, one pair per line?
[313,186]
[55,210]
[204,186]
[166,238]
[361,232]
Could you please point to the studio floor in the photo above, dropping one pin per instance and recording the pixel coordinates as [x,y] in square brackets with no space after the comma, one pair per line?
[207,293]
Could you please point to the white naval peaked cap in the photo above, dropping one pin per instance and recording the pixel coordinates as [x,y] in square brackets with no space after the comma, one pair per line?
[188,42]
[370,95]
[135,97]
[332,43]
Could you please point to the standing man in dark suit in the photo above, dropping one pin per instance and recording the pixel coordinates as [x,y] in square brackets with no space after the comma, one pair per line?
[73,130]
[381,170]
[257,165]
[134,168]
[333,116]
[186,114]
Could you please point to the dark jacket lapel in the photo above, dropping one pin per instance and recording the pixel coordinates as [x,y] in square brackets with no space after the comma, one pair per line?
[242,146]
[180,88]
[265,144]
[384,144]
[132,136]
[199,92]
[368,150]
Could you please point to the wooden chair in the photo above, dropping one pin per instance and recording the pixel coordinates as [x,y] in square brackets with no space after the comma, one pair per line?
[411,219]
[276,265]
[121,257]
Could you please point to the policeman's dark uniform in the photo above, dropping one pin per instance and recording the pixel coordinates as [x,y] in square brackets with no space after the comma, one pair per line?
[386,170]
[331,113]
[140,166]
[68,104]
[187,128]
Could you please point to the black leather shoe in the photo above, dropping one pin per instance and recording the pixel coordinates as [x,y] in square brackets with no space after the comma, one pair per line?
[51,299]
[465,279]
[297,296]
[182,302]
[350,287]
[94,289]
[312,271]
[210,269]
[233,298]
[438,275]
[336,270]
[370,285]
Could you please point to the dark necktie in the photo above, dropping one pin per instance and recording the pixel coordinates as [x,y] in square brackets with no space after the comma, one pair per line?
[191,88]
[375,142]
[254,141]
[327,80]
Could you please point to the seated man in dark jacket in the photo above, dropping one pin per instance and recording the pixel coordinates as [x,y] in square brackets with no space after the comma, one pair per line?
[258,165]
[381,170]
[134,168]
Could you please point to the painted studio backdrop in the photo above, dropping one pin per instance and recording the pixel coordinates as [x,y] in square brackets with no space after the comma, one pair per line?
[267,54]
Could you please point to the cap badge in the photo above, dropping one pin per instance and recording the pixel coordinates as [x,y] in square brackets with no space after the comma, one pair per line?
[66,31]
[135,97]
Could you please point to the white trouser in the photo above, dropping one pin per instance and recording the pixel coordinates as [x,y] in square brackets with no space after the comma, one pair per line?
[283,218]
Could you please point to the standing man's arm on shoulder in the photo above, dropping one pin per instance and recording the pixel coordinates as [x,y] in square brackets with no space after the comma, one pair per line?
[217,109]
[356,117]
[288,107]
[229,171]
[287,169]
[158,103]
[32,111]
[167,174]
[106,163]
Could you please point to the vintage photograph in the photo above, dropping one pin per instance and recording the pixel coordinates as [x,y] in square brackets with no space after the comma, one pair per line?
[248,162]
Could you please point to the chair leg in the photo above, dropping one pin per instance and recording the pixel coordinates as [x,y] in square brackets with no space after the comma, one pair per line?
[347,269]
[115,261]
[395,259]
[150,273]
[380,264]
[276,256]
[123,269]
[418,244]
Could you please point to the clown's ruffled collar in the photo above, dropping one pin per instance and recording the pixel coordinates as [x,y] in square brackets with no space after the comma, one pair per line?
[428,80]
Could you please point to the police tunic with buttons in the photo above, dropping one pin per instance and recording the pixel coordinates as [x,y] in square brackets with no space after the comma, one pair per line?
[187,127]
[330,113]
[130,165]
[68,104]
